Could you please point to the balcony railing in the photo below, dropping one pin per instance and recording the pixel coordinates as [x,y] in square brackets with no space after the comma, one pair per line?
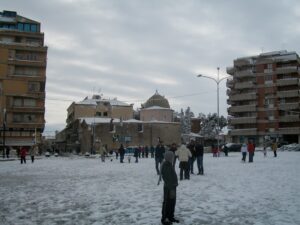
[287,69]
[243,85]
[27,62]
[289,130]
[230,70]
[288,94]
[229,83]
[289,118]
[239,132]
[287,82]
[289,106]
[243,62]
[242,108]
[243,120]
[244,73]
[241,97]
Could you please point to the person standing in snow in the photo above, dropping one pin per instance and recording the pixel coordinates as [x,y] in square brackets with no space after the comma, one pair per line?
[173,149]
[251,149]
[191,147]
[169,177]
[122,153]
[103,152]
[33,151]
[244,152]
[159,156]
[152,151]
[183,154]
[136,154]
[23,153]
[274,148]
[199,150]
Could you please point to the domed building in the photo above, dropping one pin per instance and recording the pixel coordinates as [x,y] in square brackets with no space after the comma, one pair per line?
[156,108]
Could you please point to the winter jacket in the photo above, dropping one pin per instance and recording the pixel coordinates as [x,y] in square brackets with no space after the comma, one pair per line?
[122,151]
[183,153]
[159,152]
[192,149]
[251,148]
[169,175]
[244,148]
[23,152]
[199,150]
[33,151]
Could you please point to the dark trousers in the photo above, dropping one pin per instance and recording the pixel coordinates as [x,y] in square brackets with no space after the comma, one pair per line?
[275,153]
[191,164]
[121,158]
[251,154]
[23,159]
[184,167]
[200,164]
[168,206]
[244,154]
[32,158]
[158,162]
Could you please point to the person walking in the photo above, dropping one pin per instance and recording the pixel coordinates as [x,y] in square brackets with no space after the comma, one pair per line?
[146,151]
[274,148]
[169,177]
[199,150]
[251,149]
[103,152]
[122,153]
[152,151]
[159,156]
[136,154]
[183,154]
[191,147]
[23,153]
[244,150]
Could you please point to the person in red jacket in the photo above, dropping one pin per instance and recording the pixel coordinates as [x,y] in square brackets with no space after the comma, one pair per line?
[23,155]
[251,149]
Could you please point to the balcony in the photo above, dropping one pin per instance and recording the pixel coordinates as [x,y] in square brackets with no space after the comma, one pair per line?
[286,69]
[243,85]
[289,130]
[239,132]
[230,70]
[288,82]
[289,106]
[242,97]
[244,73]
[242,108]
[229,83]
[32,63]
[242,120]
[288,94]
[243,62]
[289,118]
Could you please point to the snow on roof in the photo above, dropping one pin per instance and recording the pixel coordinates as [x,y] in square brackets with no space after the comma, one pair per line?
[92,120]
[94,101]
[155,107]
[132,121]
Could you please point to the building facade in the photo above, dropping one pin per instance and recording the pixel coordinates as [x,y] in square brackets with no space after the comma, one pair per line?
[264,97]
[23,59]
[99,107]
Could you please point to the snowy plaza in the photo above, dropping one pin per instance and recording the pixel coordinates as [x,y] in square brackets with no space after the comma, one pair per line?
[78,190]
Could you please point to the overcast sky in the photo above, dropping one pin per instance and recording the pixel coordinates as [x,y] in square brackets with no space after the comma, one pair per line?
[129,49]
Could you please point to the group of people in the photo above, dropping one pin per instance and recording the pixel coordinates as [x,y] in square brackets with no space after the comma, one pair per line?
[32,151]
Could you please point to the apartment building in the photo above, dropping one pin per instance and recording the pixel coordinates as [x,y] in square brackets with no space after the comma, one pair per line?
[23,59]
[264,97]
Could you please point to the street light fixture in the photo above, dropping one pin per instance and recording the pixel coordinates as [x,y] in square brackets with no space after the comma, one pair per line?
[218,80]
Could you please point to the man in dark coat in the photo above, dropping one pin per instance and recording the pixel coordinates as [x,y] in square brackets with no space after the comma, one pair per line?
[169,177]
[199,156]
[122,153]
[159,156]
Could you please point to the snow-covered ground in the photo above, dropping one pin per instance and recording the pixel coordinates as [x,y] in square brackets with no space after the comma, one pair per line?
[87,191]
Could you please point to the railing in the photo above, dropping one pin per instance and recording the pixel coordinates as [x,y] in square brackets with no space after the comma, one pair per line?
[243,120]
[289,106]
[244,73]
[242,85]
[287,94]
[241,97]
[289,130]
[287,82]
[289,118]
[242,108]
[238,132]
[230,83]
[286,69]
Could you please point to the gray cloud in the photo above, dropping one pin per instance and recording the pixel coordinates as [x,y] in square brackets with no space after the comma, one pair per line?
[128,49]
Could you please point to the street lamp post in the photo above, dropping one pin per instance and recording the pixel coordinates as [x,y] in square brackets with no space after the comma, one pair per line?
[218,80]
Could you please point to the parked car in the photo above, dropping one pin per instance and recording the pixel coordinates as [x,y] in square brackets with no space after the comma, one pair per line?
[233,147]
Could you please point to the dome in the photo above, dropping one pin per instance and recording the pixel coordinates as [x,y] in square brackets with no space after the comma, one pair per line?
[157,100]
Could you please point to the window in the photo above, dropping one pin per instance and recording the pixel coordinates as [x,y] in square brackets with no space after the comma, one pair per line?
[98,114]
[17,118]
[105,114]
[17,102]
[27,27]
[29,102]
[33,28]
[20,26]
[23,118]
[33,86]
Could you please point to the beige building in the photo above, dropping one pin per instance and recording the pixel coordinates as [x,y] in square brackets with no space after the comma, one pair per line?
[264,97]
[99,107]
[23,59]
[156,108]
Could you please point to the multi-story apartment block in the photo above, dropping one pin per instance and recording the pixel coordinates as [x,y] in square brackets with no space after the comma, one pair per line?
[99,107]
[264,97]
[22,79]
